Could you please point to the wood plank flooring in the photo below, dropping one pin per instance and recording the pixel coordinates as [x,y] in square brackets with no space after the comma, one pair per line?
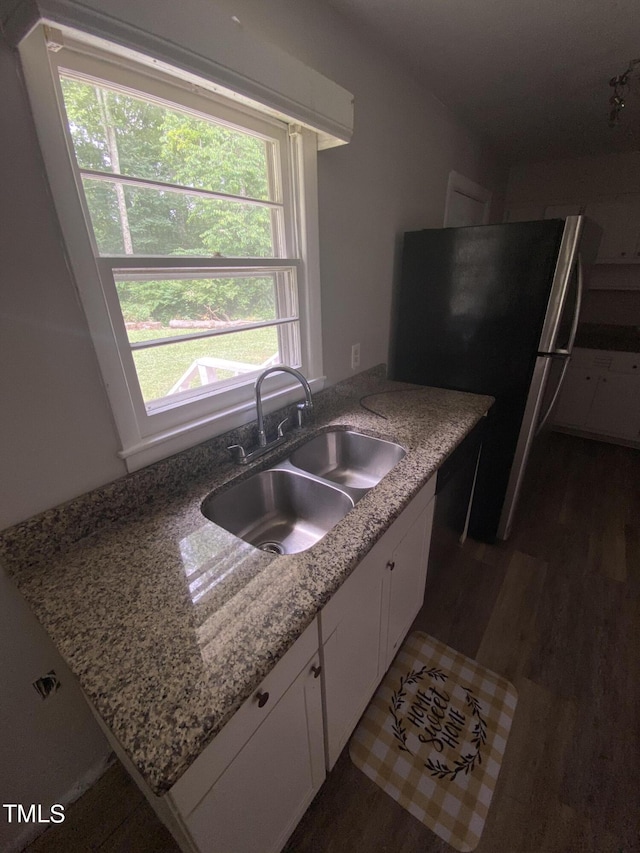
[557,611]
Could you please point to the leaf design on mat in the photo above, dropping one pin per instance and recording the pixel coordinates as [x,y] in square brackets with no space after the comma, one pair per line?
[438,769]
[466,763]
[436,674]
[476,708]
[479,733]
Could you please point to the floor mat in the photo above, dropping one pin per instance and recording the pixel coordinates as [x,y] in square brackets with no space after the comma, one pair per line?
[434,735]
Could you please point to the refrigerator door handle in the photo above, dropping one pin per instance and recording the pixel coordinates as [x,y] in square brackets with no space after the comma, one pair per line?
[543,420]
[565,266]
[576,314]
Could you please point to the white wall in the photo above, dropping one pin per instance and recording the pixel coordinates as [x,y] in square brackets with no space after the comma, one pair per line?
[50,750]
[580,180]
[57,438]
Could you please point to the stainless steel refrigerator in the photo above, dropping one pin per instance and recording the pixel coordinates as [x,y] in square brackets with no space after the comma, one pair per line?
[493,309]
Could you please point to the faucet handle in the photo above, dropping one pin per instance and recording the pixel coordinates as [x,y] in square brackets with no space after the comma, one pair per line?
[303,409]
[238,453]
[281,427]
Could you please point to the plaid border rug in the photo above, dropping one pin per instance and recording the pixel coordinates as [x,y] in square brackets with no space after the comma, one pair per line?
[434,735]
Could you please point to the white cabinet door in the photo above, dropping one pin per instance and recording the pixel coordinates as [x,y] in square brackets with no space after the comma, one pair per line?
[576,397]
[620,222]
[368,617]
[406,574]
[601,394]
[350,628]
[615,409]
[257,802]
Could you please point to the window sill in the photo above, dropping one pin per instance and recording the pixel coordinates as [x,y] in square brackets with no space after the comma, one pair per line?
[159,446]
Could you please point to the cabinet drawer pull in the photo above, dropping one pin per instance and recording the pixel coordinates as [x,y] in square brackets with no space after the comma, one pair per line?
[262,698]
[316,670]
[391,565]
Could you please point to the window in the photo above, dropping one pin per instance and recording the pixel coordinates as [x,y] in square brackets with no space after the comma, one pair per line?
[195,214]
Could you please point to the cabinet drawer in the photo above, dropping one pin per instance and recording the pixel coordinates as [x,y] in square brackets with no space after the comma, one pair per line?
[604,361]
[211,763]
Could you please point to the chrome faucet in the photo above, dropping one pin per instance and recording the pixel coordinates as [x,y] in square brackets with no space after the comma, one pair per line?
[238,453]
[301,408]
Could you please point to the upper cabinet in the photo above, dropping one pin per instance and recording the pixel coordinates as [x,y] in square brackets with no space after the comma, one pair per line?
[620,223]
[619,252]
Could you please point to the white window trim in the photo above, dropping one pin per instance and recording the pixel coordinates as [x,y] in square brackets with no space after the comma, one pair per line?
[140,448]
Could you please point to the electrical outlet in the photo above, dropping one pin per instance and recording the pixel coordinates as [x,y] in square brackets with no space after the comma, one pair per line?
[355,356]
[48,684]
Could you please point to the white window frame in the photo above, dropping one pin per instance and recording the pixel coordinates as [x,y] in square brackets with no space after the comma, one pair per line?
[149,433]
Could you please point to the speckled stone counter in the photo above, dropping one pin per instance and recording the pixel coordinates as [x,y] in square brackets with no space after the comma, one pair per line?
[608,337]
[168,621]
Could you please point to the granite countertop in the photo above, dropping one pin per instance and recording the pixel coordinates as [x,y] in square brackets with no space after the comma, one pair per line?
[168,621]
[608,337]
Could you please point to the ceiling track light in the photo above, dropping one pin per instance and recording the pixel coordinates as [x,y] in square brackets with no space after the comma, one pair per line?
[621,85]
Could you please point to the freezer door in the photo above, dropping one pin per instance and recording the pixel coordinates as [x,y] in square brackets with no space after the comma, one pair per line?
[527,433]
[471,304]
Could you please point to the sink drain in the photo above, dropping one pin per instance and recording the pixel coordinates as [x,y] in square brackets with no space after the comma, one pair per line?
[271,547]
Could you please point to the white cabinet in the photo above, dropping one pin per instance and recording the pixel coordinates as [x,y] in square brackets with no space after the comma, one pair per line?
[615,410]
[250,787]
[576,397]
[601,395]
[350,631]
[620,223]
[618,216]
[363,624]
[405,576]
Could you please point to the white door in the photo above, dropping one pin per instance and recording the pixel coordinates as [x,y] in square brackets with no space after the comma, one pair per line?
[464,210]
[467,203]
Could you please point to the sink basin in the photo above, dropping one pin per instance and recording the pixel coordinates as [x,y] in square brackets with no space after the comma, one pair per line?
[282,512]
[348,458]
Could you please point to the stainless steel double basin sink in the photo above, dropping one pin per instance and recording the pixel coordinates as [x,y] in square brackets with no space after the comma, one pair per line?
[293,504]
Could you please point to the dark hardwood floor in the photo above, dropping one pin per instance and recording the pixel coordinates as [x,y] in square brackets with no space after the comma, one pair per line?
[557,611]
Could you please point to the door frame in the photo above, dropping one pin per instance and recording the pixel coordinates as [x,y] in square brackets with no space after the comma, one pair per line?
[458,183]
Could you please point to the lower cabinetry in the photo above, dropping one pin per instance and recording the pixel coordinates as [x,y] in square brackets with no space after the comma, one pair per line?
[249,788]
[601,395]
[363,625]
